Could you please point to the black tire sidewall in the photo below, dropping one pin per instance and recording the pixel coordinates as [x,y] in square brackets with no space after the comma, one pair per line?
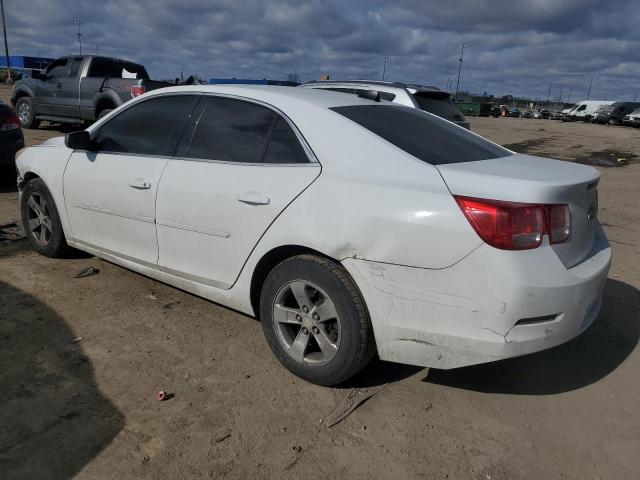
[57,246]
[356,332]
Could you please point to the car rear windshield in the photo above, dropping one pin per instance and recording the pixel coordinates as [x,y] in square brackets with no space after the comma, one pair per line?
[438,105]
[424,136]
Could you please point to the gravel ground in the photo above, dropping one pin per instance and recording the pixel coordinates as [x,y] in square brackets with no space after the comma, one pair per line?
[86,409]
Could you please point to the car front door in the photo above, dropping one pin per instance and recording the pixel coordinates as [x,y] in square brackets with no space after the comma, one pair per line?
[47,87]
[238,168]
[110,191]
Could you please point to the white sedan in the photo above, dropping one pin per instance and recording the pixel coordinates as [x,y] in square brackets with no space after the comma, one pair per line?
[349,227]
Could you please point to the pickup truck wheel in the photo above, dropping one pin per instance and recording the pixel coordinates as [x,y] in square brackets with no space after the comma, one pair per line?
[26,113]
[41,220]
[315,320]
[105,112]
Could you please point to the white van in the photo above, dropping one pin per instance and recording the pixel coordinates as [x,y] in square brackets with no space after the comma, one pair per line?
[584,110]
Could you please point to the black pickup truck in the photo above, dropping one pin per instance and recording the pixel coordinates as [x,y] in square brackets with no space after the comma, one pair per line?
[79,89]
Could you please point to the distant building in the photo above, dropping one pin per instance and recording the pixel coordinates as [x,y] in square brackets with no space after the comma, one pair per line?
[20,62]
[249,81]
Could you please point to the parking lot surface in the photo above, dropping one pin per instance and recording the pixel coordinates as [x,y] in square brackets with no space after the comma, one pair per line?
[81,360]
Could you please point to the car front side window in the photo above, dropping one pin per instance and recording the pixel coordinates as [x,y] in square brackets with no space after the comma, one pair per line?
[57,69]
[150,127]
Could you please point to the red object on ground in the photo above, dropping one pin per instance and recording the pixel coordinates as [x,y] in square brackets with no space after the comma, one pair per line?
[161,395]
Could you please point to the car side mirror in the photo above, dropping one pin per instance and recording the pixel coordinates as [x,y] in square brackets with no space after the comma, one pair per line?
[78,140]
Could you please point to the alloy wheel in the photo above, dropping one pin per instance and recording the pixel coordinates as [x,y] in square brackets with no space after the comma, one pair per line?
[39,220]
[306,323]
[24,112]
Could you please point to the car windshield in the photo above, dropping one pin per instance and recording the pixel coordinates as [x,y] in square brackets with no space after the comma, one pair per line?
[635,112]
[438,104]
[427,137]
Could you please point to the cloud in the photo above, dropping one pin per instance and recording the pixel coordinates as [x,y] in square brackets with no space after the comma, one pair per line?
[515,47]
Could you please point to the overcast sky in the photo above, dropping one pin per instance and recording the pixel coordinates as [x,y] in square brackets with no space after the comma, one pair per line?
[517,47]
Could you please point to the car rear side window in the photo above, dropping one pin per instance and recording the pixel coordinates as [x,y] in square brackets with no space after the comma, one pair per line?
[284,146]
[232,130]
[442,107]
[424,136]
[150,127]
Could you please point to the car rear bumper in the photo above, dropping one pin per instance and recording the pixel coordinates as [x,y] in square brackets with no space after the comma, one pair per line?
[489,306]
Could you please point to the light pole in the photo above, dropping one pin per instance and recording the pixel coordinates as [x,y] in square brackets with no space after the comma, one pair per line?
[462,47]
[589,91]
[384,67]
[6,45]
[78,23]
[569,97]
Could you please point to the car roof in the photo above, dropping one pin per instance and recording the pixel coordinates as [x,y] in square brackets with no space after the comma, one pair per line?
[418,88]
[272,94]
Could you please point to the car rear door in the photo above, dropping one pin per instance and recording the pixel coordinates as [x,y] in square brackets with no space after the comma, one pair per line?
[235,171]
[67,93]
[110,191]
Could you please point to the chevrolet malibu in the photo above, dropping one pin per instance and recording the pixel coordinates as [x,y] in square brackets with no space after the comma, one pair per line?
[349,227]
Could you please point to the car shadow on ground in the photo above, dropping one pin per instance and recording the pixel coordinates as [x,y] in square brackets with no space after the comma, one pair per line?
[53,419]
[576,364]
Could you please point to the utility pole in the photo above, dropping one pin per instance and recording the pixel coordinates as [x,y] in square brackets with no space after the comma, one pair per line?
[97,51]
[561,88]
[462,47]
[384,67]
[548,95]
[635,96]
[569,97]
[78,23]
[6,45]
[589,92]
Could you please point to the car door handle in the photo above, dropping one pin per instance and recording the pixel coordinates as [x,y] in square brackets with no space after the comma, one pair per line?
[140,184]
[254,198]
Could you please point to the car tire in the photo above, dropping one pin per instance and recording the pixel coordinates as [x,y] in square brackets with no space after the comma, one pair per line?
[26,113]
[104,113]
[41,221]
[330,312]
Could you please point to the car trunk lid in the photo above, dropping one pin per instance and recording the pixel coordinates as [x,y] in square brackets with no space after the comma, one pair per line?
[528,179]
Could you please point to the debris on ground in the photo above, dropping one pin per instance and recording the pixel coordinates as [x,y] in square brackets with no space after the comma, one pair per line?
[11,231]
[151,296]
[87,272]
[161,396]
[170,305]
[222,436]
[75,340]
[355,398]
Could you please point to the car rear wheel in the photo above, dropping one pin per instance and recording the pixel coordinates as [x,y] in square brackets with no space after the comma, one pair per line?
[315,320]
[26,113]
[41,220]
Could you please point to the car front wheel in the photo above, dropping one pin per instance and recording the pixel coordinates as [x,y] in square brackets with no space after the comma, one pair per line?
[26,113]
[315,320]
[41,220]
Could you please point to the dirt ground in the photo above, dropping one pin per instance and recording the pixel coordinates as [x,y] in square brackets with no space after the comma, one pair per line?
[87,409]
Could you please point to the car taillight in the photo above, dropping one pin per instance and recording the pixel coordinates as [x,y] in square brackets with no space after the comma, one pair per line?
[516,226]
[137,90]
[12,122]
[559,222]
